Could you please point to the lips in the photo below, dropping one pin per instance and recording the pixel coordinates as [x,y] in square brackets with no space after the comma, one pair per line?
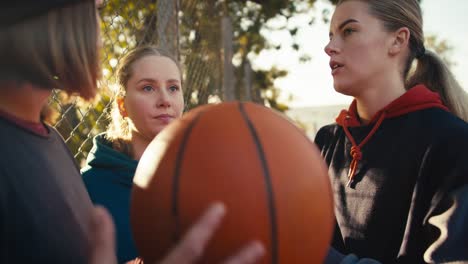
[335,66]
[165,118]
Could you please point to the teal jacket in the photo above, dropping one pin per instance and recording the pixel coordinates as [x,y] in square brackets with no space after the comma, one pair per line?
[108,176]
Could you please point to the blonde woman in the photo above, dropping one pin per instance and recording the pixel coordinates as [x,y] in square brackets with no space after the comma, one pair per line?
[397,157]
[150,96]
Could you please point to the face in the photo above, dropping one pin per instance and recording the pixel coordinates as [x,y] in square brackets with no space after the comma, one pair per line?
[357,48]
[153,96]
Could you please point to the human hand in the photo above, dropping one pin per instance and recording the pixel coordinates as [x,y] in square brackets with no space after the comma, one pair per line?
[102,237]
[192,246]
[188,251]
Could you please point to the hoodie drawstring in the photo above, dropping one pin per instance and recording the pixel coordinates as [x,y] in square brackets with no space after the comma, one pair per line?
[355,152]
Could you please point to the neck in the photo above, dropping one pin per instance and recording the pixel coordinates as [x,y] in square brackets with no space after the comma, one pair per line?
[139,143]
[23,101]
[376,98]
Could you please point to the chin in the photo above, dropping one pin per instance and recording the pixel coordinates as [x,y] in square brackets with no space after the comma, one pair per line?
[343,89]
[157,130]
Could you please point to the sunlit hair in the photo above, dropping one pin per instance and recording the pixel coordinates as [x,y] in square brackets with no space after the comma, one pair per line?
[430,69]
[118,130]
[56,50]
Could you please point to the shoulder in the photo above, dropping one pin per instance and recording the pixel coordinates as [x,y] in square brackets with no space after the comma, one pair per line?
[443,123]
[101,149]
[101,140]
[105,164]
[448,135]
[56,136]
[325,134]
[445,160]
[435,129]
[87,173]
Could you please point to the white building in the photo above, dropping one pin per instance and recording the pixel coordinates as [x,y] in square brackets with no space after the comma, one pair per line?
[311,119]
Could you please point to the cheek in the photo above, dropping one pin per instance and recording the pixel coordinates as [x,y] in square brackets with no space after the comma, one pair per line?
[136,106]
[372,50]
[365,58]
[359,52]
[178,104]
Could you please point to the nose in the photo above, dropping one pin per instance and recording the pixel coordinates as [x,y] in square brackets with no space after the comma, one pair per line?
[163,100]
[331,48]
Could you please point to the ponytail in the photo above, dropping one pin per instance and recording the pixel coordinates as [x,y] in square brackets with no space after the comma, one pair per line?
[435,75]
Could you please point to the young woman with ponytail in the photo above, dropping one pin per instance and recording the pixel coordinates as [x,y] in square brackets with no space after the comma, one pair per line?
[398,159]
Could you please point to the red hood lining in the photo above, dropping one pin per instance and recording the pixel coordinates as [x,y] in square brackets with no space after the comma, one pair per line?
[415,99]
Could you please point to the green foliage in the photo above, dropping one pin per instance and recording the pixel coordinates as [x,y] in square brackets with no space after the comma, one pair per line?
[249,18]
[127,24]
[336,1]
[201,48]
[441,47]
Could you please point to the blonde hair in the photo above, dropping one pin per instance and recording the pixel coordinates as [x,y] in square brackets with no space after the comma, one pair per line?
[118,130]
[430,69]
[55,50]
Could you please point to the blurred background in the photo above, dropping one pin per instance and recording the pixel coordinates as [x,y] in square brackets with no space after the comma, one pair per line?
[266,51]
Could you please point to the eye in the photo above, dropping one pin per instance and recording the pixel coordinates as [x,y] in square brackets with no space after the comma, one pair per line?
[148,88]
[174,88]
[348,31]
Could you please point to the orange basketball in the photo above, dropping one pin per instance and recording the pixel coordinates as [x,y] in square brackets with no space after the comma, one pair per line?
[271,178]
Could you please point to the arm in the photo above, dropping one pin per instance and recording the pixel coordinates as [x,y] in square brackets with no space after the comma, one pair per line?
[452,244]
[335,257]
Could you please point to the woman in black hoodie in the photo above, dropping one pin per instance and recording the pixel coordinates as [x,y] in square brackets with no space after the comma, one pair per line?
[398,156]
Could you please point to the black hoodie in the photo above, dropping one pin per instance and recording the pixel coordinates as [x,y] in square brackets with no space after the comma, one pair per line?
[413,159]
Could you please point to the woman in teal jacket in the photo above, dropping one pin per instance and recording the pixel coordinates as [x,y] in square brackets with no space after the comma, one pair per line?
[150,97]
[108,176]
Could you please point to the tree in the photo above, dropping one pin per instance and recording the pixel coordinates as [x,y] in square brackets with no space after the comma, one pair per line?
[126,24]
[201,49]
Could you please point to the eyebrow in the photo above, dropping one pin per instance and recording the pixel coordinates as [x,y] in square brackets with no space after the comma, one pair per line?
[153,80]
[351,20]
[344,23]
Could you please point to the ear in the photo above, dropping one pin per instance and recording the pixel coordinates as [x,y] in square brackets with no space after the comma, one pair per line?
[121,104]
[400,41]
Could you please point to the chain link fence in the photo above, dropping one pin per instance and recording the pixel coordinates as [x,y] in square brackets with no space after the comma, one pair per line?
[190,29]
[207,36]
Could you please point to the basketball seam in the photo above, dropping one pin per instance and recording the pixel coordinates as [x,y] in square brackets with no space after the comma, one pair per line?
[176,178]
[268,183]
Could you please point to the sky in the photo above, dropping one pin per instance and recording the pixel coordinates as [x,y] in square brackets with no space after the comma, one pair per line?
[311,84]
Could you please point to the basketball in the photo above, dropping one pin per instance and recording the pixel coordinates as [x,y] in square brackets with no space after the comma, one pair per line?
[269,175]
